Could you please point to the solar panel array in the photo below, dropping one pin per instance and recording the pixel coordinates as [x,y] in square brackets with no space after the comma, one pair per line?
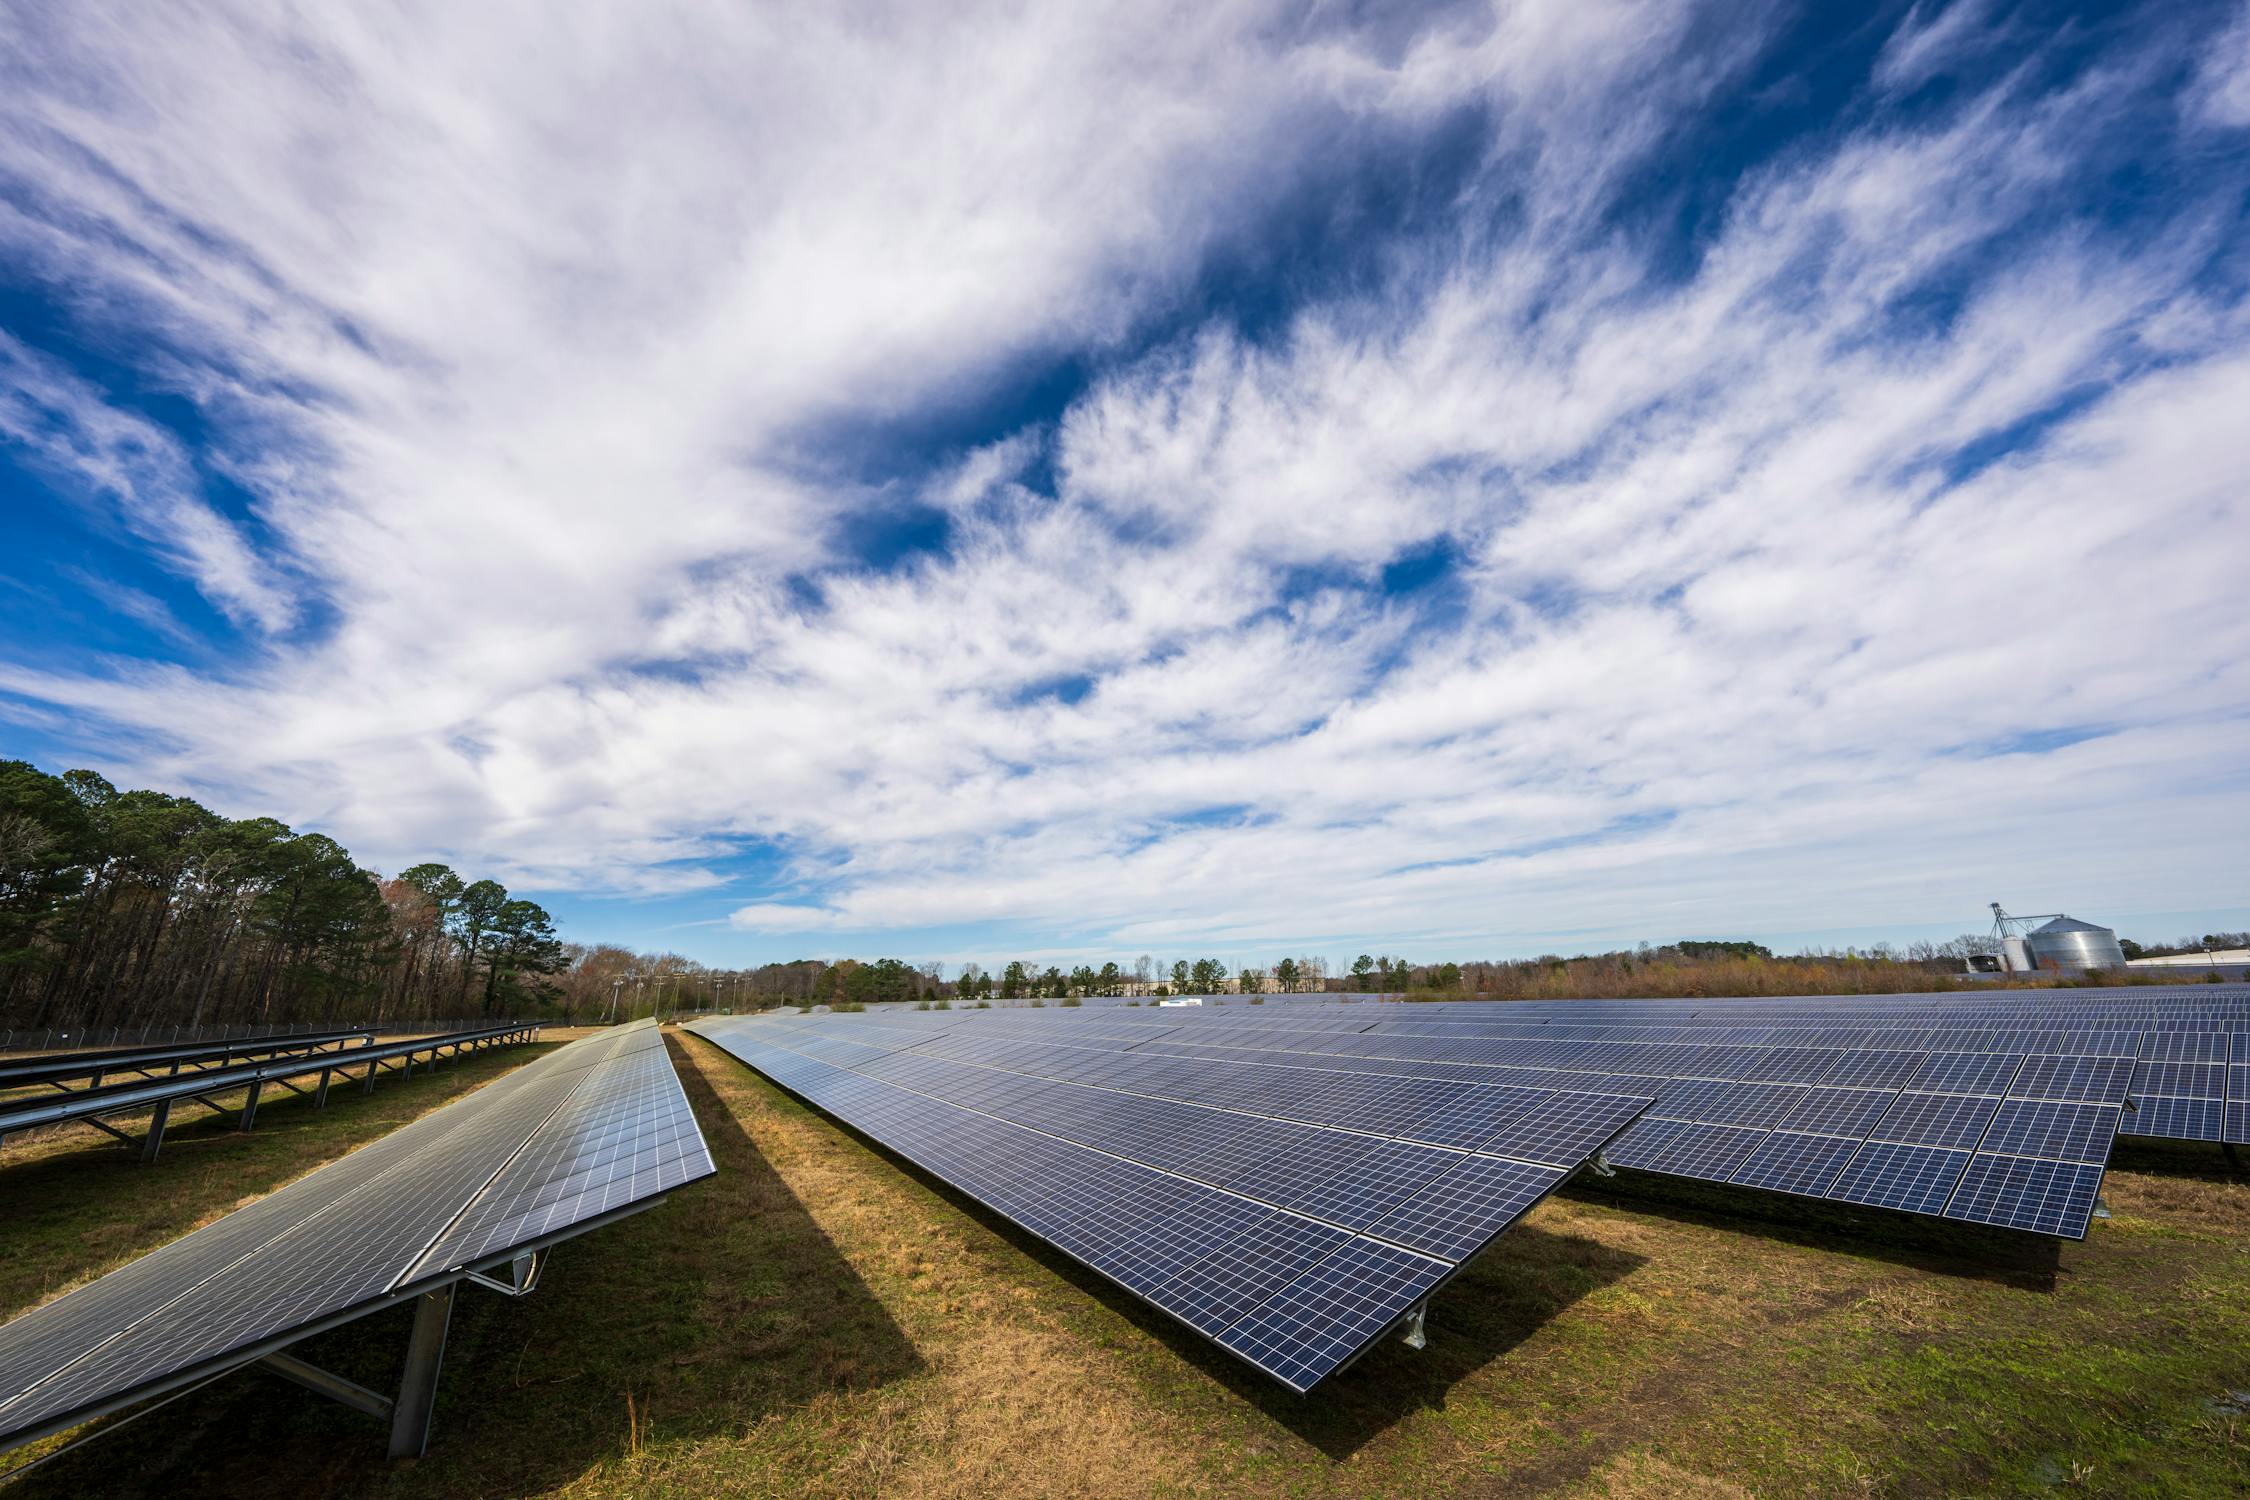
[583,1133]
[1996,1110]
[1291,1218]
[61,1068]
[33,1109]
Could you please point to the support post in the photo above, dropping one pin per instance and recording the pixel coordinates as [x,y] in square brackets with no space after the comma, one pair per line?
[154,1141]
[320,1094]
[250,1106]
[417,1390]
[335,1387]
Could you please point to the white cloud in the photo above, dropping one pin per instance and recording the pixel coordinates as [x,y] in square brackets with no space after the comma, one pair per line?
[139,472]
[1934,35]
[2221,95]
[534,363]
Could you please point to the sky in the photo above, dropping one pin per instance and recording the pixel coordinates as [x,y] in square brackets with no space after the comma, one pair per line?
[983,481]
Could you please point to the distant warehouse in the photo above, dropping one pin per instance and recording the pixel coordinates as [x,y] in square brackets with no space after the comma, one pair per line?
[2204,958]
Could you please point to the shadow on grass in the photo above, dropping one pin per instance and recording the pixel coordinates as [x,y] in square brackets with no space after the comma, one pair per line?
[722,1307]
[2195,1161]
[1527,1277]
[1945,1247]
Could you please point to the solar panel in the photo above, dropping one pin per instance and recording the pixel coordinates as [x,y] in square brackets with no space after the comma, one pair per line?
[2041,1197]
[1218,1191]
[1317,1323]
[1786,1162]
[63,1067]
[1750,1064]
[597,1128]
[158,1093]
[1916,1179]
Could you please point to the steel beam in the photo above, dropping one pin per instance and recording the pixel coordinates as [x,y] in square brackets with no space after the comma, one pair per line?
[417,1389]
[154,1142]
[335,1387]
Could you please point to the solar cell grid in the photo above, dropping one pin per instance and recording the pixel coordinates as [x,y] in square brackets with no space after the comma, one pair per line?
[1966,1073]
[1914,1179]
[1375,1183]
[1785,1162]
[1217,1291]
[2099,1080]
[1936,1120]
[1107,1218]
[1836,1111]
[1318,1322]
[571,1136]
[2060,1132]
[1466,1205]
[2185,1046]
[2192,1080]
[1876,1068]
[2040,1197]
[2180,1118]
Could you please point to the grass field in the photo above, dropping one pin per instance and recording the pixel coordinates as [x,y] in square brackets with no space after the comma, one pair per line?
[821,1320]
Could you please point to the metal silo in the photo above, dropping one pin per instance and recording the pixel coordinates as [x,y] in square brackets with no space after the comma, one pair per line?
[2067,943]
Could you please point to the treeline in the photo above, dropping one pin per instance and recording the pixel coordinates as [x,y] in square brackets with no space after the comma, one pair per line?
[2216,942]
[142,909]
[1690,968]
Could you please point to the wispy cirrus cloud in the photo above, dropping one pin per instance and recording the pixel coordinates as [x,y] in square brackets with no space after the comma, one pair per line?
[1486,499]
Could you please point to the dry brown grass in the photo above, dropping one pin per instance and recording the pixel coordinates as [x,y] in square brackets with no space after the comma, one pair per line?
[1637,1476]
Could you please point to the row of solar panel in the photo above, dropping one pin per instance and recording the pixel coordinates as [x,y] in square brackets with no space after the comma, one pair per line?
[62,1068]
[1291,1244]
[584,1132]
[2182,1083]
[2012,1141]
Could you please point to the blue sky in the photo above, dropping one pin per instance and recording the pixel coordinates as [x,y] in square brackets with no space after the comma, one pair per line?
[1232,479]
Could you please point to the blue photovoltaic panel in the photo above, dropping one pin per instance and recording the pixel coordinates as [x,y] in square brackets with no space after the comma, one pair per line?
[2041,1197]
[1802,1164]
[1966,1073]
[2099,1080]
[2180,1119]
[1916,1179]
[1685,1149]
[1214,1294]
[2188,1080]
[1321,1321]
[2059,1132]
[1218,1197]
[597,1127]
[1956,1120]
[1818,1067]
[1474,1200]
[2185,1046]
[1827,1111]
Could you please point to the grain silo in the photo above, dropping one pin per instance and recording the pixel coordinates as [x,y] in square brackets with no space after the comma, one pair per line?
[2067,943]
